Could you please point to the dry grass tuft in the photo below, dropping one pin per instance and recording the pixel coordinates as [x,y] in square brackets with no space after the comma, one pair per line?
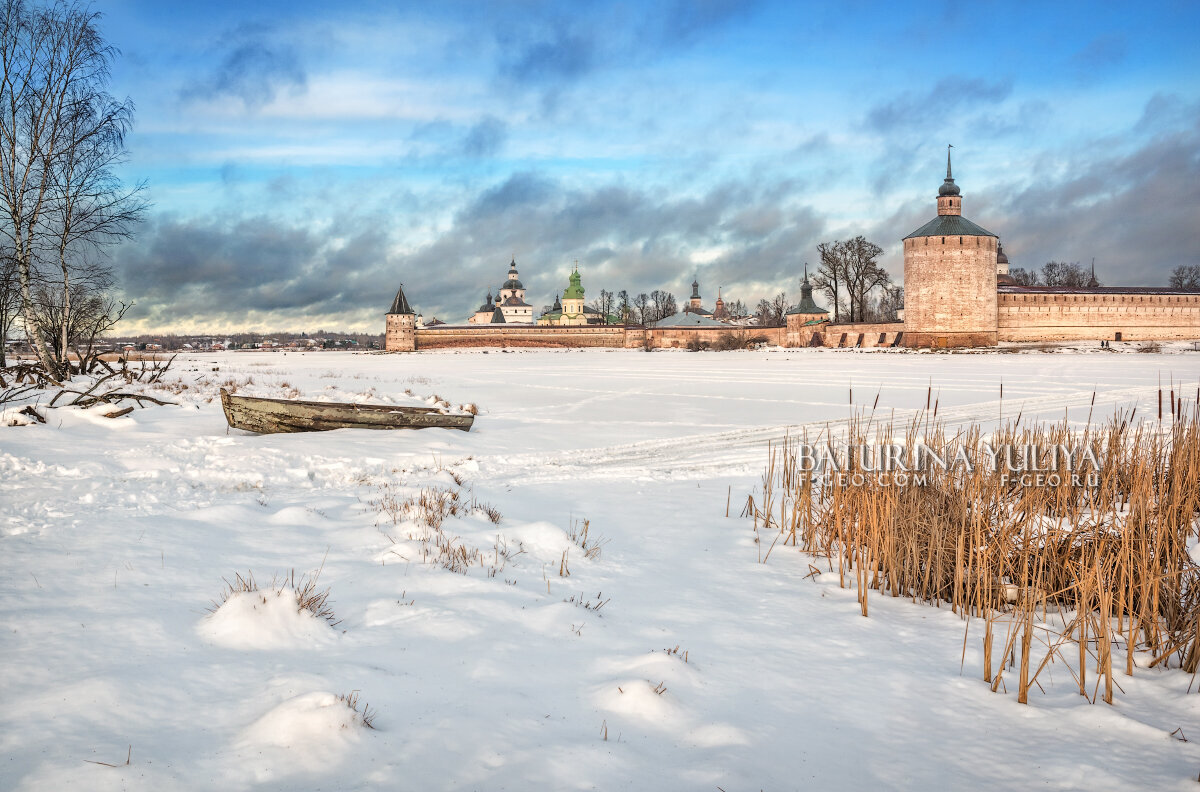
[676,653]
[423,514]
[309,596]
[595,605]
[367,716]
[591,547]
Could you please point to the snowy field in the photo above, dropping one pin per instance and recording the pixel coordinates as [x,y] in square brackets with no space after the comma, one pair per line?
[117,536]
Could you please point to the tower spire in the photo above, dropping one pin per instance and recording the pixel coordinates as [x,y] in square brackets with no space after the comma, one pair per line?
[948,193]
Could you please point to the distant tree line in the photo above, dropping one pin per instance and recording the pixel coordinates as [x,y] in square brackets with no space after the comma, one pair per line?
[1072,275]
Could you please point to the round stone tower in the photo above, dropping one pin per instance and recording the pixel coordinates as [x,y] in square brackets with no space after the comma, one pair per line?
[400,331]
[950,278]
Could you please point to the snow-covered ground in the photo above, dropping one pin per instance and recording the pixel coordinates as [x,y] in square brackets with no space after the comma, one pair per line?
[117,537]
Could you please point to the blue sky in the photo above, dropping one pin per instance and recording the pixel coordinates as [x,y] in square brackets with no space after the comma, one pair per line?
[304,159]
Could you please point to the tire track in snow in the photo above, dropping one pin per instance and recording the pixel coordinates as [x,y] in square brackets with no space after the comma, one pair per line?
[743,451]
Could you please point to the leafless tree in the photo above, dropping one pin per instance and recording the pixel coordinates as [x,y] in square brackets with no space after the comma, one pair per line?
[74,321]
[1024,277]
[604,304]
[641,305]
[1060,273]
[662,305]
[862,273]
[891,300]
[773,312]
[831,274]
[89,208]
[1185,276]
[623,305]
[61,134]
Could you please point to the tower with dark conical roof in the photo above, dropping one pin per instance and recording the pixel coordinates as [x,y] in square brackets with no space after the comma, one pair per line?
[950,273]
[400,325]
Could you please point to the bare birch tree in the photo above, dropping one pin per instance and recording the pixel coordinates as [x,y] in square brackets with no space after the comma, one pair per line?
[61,133]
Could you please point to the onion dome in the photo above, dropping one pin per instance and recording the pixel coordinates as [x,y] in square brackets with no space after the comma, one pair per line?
[807,304]
[487,306]
[513,282]
[575,290]
[1001,257]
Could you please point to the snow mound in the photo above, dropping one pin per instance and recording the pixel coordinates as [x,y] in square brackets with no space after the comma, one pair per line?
[308,733]
[268,619]
[641,700]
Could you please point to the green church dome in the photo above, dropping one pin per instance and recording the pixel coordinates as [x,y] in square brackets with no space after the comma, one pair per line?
[575,290]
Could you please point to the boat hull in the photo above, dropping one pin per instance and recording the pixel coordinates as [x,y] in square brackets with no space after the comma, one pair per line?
[269,416]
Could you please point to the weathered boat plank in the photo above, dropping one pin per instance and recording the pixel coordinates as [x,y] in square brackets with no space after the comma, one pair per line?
[265,416]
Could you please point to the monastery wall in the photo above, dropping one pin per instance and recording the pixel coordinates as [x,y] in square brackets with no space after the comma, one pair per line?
[859,334]
[1068,317]
[443,337]
[679,337]
[612,336]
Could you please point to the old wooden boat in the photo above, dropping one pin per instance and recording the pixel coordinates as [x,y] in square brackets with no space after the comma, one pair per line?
[266,416]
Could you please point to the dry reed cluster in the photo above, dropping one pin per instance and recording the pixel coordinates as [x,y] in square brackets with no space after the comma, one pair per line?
[309,596]
[366,717]
[422,515]
[1076,569]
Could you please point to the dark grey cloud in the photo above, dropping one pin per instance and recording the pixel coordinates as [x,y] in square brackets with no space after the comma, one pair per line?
[933,107]
[217,272]
[228,273]
[253,67]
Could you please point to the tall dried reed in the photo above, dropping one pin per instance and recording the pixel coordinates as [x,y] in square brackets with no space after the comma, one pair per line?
[1082,564]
